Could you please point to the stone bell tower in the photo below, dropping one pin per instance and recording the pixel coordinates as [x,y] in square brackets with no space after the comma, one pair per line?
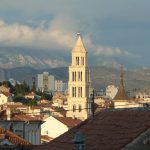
[79,83]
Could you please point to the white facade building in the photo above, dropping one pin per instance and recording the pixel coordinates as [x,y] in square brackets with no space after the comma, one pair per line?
[142,95]
[45,82]
[127,104]
[111,91]
[5,98]
[55,126]
[79,83]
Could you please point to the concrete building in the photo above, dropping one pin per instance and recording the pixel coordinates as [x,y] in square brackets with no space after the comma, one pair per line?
[111,91]
[79,83]
[45,82]
[60,86]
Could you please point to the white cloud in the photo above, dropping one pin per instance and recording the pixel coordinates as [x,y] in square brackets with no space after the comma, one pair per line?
[99,50]
[109,51]
[59,34]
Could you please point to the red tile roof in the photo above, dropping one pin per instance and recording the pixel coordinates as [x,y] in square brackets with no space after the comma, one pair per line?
[22,117]
[69,122]
[7,94]
[108,130]
[46,138]
[13,138]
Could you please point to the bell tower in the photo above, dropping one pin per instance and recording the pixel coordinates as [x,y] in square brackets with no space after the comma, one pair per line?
[79,83]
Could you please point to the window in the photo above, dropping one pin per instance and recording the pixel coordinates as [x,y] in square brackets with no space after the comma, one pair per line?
[82,60]
[81,75]
[74,108]
[75,76]
[80,108]
[79,92]
[78,76]
[77,60]
[73,91]
[72,76]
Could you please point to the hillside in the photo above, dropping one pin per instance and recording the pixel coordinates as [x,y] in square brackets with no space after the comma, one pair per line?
[100,76]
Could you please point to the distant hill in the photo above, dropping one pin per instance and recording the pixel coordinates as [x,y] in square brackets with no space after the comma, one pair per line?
[100,76]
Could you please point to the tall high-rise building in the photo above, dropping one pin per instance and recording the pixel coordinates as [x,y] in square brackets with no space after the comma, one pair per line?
[45,82]
[79,83]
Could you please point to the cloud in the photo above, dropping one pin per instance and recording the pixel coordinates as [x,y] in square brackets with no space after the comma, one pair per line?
[107,51]
[58,34]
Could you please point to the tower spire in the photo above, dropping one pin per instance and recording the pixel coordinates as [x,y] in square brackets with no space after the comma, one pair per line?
[121,94]
[122,76]
[79,46]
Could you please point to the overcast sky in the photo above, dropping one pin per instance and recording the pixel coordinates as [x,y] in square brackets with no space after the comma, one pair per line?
[109,27]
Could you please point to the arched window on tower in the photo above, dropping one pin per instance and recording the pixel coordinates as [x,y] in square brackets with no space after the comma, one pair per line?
[82,60]
[81,91]
[72,76]
[75,76]
[76,60]
[75,92]
[80,108]
[74,108]
[81,75]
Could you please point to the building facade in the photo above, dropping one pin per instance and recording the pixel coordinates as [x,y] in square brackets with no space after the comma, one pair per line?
[45,82]
[111,91]
[60,86]
[79,83]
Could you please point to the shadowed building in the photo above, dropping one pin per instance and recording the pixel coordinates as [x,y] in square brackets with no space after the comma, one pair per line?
[121,100]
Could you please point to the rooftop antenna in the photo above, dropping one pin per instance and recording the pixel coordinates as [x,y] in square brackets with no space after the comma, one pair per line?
[121,75]
[33,84]
[93,97]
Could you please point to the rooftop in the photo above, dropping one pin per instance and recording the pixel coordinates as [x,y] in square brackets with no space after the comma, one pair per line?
[69,122]
[108,130]
[12,138]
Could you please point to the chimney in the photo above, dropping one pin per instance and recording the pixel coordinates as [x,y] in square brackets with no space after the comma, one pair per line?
[8,113]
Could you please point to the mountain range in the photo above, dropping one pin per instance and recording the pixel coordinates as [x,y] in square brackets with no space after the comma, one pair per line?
[100,76]
[24,63]
[12,57]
